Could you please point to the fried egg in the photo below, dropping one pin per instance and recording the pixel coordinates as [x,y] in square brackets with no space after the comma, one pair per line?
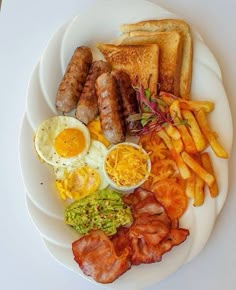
[62,141]
[90,170]
[79,183]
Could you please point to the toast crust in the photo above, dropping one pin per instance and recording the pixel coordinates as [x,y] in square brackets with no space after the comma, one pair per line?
[170,60]
[140,62]
[168,25]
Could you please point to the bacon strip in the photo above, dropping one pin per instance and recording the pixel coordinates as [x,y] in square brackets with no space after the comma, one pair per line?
[152,233]
[142,202]
[96,257]
[121,241]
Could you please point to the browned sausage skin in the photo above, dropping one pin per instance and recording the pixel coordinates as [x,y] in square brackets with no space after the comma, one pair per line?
[87,108]
[110,108]
[129,100]
[73,80]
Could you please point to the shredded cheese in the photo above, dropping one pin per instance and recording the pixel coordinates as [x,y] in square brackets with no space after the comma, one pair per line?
[126,165]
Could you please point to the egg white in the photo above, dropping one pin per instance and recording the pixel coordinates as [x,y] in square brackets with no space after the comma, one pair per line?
[45,137]
[94,158]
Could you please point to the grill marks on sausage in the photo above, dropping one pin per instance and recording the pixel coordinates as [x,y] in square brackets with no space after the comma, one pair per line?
[110,108]
[87,108]
[129,100]
[113,97]
[73,80]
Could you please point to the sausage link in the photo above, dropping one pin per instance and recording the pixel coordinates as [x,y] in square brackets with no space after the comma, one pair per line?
[129,100]
[87,108]
[110,108]
[73,80]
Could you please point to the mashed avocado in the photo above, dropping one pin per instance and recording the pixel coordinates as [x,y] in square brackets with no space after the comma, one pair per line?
[103,209]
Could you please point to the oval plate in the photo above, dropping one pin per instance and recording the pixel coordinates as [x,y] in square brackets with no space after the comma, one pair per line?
[46,209]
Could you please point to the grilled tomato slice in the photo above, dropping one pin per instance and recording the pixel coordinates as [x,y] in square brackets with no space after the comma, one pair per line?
[172,196]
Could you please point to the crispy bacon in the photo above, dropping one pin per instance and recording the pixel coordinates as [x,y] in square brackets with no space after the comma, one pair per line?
[174,238]
[143,253]
[141,193]
[152,233]
[138,195]
[96,257]
[143,202]
[175,223]
[148,205]
[121,241]
[177,236]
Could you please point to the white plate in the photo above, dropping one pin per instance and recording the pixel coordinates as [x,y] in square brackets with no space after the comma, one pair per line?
[45,207]
[50,70]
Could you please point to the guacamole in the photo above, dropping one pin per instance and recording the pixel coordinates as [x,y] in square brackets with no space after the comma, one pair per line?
[103,209]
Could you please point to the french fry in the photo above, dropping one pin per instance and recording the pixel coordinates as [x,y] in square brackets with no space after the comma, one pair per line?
[165,137]
[172,132]
[198,169]
[198,138]
[206,163]
[178,145]
[186,137]
[210,136]
[190,185]
[206,106]
[199,193]
[183,168]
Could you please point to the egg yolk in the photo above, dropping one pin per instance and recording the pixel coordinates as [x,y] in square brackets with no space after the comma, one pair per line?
[96,132]
[69,142]
[79,183]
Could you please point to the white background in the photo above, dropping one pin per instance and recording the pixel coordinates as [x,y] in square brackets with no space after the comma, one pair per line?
[25,28]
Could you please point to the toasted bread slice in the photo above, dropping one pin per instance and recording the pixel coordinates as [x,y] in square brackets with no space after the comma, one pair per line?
[170,60]
[140,62]
[169,25]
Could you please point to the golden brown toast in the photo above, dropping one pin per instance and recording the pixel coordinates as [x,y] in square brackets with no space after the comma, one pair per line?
[169,25]
[140,62]
[170,59]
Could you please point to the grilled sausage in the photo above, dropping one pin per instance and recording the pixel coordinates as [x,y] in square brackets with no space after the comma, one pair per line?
[129,100]
[87,108]
[73,80]
[110,108]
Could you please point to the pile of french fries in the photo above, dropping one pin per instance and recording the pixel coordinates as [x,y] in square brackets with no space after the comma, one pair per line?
[187,143]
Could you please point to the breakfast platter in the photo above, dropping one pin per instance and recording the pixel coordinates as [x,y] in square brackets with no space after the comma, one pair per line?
[51,201]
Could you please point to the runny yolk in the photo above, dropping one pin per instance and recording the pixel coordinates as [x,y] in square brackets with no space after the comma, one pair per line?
[69,142]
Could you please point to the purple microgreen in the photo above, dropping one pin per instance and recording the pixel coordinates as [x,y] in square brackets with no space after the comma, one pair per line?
[155,114]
